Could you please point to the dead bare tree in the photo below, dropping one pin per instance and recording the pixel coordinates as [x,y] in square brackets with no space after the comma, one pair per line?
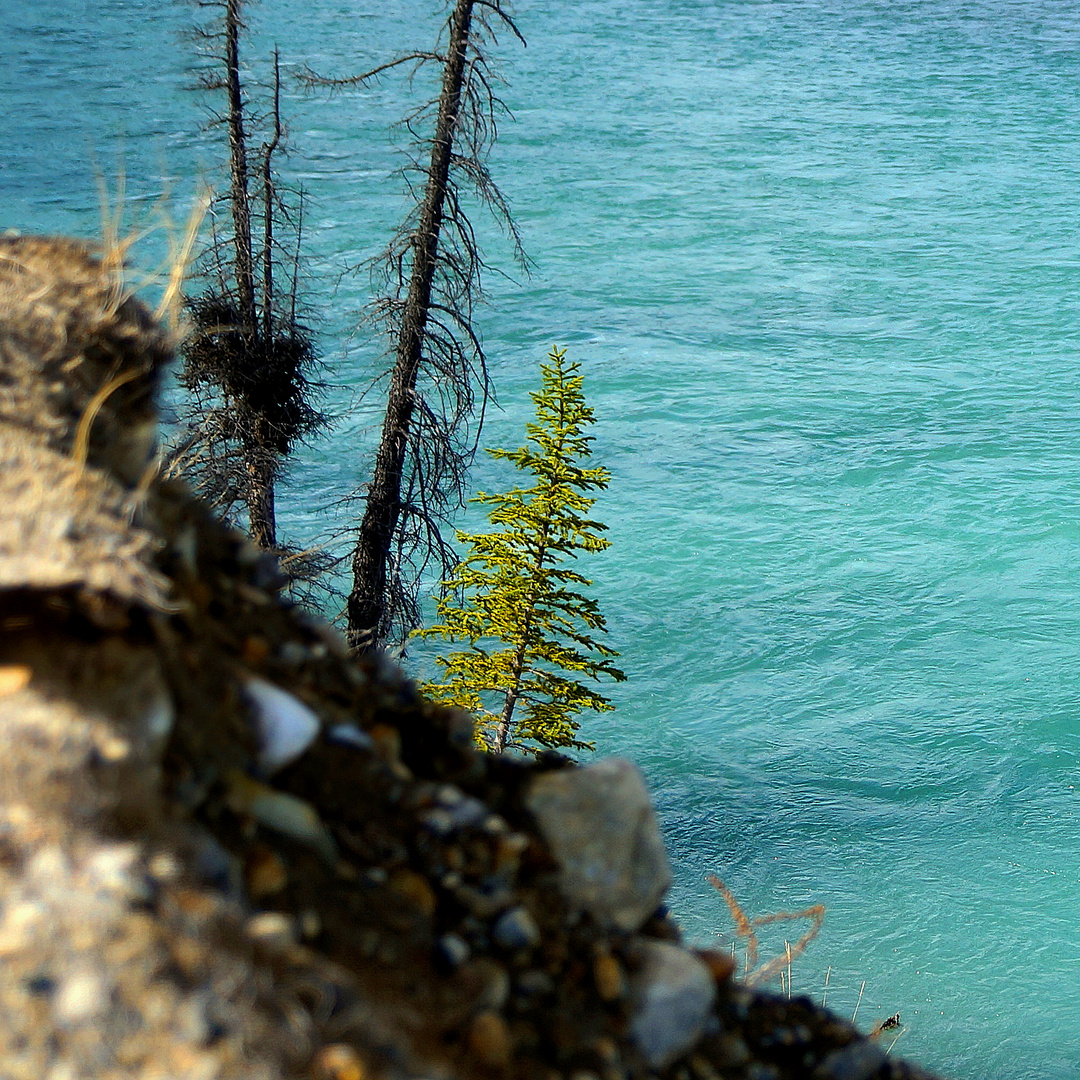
[431,281]
[248,359]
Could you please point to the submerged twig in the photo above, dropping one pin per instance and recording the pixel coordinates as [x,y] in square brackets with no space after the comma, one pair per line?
[746,928]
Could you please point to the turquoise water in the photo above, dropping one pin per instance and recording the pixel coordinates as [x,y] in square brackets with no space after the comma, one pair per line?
[819,261]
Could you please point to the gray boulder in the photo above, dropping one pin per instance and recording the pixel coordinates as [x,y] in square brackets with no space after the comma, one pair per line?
[601,827]
[673,994]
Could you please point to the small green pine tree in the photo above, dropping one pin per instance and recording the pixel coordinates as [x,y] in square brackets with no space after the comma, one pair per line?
[513,597]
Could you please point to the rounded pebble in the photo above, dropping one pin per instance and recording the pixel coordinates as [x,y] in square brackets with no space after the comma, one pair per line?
[731,1052]
[508,852]
[516,929]
[609,978]
[292,653]
[859,1060]
[81,998]
[339,1062]
[452,951]
[271,930]
[489,1040]
[350,735]
[674,994]
[495,825]
[721,965]
[386,742]
[13,678]
[414,889]
[448,795]
[266,873]
[438,822]
[535,984]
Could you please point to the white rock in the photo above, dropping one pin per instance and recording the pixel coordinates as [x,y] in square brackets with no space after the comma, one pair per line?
[286,726]
[600,825]
[81,997]
[113,868]
[272,930]
[673,994]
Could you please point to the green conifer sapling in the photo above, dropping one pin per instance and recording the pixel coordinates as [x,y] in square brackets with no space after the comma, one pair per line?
[514,597]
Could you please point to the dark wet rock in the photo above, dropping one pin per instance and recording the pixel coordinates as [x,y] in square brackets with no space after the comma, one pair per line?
[535,984]
[447,819]
[731,1052]
[860,1060]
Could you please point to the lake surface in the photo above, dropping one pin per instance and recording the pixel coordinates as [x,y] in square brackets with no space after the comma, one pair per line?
[819,261]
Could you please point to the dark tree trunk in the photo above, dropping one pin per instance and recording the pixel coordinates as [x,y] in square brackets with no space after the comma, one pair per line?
[239,198]
[506,718]
[247,360]
[269,210]
[369,611]
[258,460]
[261,463]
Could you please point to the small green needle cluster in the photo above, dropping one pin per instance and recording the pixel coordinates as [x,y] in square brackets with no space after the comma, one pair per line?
[515,598]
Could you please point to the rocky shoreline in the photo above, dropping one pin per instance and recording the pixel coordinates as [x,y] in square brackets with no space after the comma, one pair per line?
[227,849]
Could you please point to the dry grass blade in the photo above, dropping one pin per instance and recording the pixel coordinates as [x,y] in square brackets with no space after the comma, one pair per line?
[862,990]
[81,445]
[181,253]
